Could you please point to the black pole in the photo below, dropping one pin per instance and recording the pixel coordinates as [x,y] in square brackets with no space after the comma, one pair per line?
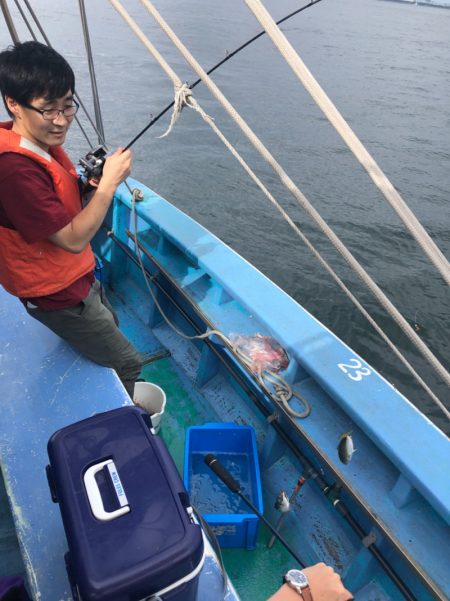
[213,463]
[95,96]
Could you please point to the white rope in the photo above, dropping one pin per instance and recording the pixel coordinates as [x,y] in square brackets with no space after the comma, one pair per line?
[282,391]
[326,266]
[279,392]
[144,39]
[303,201]
[349,137]
[182,95]
[190,101]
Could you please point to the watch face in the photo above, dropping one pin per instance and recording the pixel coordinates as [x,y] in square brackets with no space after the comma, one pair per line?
[297,577]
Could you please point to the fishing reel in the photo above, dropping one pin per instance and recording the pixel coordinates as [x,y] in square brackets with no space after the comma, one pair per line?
[93,163]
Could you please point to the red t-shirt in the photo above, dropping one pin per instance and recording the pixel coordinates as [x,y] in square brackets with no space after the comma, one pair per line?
[29,205]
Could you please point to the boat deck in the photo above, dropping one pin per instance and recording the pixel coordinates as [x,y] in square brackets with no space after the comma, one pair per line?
[255,574]
[244,567]
[46,386]
[47,389]
[186,406]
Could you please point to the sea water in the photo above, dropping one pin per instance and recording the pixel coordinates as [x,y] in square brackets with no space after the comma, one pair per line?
[209,494]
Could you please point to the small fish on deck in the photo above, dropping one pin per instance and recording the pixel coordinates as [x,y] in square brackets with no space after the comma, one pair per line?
[346,448]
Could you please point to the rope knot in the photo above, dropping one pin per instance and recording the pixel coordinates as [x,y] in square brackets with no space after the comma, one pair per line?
[183,96]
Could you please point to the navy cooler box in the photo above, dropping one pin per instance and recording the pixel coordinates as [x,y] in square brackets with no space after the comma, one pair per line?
[125,511]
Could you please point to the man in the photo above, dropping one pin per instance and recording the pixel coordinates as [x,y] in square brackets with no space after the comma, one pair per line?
[45,254]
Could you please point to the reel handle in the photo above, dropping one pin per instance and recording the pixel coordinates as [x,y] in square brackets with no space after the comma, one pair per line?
[93,162]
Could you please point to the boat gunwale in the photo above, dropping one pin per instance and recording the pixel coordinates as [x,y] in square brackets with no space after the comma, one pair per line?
[270,305]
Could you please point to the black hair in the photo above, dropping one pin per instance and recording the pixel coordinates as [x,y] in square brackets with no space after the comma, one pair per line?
[33,70]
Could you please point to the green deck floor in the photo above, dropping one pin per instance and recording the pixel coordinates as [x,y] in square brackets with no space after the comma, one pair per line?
[255,574]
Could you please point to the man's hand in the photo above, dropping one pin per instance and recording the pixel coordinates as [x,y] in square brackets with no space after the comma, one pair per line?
[324,583]
[116,169]
[79,232]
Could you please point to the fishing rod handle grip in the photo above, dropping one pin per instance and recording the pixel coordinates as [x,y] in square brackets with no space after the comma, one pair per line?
[213,463]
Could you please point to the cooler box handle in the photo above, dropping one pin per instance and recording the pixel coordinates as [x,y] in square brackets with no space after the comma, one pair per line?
[94,496]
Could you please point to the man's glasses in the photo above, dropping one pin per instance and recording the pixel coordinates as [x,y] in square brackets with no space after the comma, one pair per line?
[51,114]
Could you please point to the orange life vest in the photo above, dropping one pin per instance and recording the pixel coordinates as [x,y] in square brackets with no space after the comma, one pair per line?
[42,268]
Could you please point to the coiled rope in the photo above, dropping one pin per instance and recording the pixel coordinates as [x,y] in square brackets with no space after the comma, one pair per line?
[271,383]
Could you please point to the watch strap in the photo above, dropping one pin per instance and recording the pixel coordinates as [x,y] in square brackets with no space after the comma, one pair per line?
[306,594]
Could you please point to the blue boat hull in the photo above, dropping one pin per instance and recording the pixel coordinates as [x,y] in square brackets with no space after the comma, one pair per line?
[382,520]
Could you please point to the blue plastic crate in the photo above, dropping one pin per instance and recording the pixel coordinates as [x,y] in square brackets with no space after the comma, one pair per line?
[226,513]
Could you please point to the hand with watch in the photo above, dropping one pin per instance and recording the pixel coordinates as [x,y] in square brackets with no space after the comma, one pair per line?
[298,580]
[316,583]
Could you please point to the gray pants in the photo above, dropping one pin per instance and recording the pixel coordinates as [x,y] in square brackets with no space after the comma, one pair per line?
[91,328]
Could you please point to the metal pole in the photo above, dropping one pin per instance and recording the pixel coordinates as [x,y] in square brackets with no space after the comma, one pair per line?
[87,41]
[9,22]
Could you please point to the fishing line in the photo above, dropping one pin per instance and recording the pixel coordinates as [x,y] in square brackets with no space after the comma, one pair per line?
[219,64]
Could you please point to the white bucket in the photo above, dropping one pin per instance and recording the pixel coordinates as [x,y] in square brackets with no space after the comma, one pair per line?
[152,399]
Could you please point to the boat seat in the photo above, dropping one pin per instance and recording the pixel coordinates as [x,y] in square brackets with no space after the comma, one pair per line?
[45,385]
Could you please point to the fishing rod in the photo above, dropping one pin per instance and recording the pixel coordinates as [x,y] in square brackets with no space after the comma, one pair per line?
[214,464]
[94,160]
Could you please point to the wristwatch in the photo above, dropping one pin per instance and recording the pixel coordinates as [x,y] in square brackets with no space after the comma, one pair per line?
[297,580]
